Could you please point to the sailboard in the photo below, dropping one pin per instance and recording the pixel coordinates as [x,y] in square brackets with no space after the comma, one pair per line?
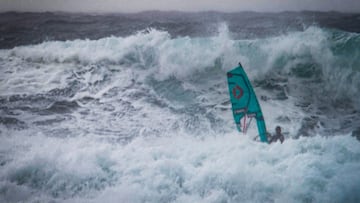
[244,102]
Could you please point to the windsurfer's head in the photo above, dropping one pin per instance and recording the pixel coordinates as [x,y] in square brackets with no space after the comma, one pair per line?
[278,129]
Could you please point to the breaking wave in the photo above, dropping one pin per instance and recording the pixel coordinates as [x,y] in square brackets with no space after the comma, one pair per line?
[146,118]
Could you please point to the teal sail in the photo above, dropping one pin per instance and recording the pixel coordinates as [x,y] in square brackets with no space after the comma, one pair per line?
[244,101]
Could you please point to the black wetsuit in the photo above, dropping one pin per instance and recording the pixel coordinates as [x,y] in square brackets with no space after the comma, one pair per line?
[276,137]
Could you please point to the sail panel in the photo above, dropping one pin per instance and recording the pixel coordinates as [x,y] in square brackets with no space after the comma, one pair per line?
[244,101]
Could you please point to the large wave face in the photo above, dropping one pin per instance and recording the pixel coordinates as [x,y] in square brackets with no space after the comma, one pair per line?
[146,118]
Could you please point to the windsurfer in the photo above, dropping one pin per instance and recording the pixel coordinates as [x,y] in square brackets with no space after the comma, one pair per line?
[277,136]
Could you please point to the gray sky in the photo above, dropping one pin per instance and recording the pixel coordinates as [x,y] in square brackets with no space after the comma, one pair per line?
[181,5]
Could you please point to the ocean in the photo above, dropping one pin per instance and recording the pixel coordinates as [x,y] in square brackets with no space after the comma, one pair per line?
[135,107]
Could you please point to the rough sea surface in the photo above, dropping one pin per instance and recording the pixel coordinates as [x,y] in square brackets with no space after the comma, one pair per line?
[135,107]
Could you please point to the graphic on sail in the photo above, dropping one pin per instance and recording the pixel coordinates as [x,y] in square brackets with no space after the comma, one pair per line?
[244,101]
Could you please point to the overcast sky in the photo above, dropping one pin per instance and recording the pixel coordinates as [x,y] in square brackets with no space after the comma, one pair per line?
[180,5]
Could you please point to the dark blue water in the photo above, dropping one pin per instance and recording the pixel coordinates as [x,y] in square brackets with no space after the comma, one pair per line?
[32,28]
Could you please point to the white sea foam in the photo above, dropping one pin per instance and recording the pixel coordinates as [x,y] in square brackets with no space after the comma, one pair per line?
[182,57]
[181,169]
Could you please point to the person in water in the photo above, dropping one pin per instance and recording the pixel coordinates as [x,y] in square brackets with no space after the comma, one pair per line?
[277,136]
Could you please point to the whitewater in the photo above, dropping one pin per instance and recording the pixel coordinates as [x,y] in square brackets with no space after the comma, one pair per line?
[145,115]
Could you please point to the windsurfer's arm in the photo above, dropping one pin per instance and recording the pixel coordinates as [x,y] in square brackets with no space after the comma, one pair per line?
[282,138]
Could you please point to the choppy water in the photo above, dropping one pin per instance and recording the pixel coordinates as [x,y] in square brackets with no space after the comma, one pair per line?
[135,108]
